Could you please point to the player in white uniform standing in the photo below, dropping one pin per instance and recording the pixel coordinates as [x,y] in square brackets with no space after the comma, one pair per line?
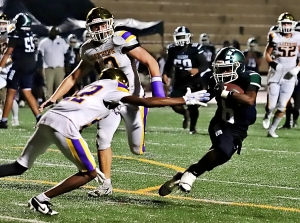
[61,126]
[107,48]
[284,45]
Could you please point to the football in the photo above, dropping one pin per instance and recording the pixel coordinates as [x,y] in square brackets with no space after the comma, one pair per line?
[234,88]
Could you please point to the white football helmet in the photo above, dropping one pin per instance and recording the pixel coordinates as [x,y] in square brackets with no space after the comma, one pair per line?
[286,23]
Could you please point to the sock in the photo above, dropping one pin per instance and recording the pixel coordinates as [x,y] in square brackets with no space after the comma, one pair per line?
[275,123]
[268,115]
[15,110]
[38,116]
[42,197]
[107,181]
[4,119]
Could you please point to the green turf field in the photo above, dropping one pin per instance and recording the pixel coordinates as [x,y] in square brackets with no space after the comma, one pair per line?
[260,185]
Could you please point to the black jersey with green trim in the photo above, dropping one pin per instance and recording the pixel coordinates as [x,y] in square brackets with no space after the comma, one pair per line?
[184,59]
[229,110]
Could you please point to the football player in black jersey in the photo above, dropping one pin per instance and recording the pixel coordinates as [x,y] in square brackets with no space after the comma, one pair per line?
[190,65]
[252,55]
[235,112]
[21,47]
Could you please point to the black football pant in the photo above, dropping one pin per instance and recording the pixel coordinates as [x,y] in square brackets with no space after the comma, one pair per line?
[194,114]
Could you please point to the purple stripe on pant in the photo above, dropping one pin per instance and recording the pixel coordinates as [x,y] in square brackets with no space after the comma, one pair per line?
[82,155]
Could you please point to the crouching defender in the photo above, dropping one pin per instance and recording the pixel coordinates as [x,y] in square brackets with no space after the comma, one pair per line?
[61,126]
[228,128]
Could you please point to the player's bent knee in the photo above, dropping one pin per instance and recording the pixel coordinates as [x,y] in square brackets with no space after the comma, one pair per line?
[220,157]
[92,174]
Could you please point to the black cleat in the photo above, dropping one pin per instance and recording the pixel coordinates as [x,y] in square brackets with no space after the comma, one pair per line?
[3,124]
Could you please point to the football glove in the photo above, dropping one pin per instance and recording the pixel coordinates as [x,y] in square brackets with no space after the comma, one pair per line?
[196,98]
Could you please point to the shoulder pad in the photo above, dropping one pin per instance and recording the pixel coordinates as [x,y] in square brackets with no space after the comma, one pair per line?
[172,45]
[195,45]
[274,28]
[123,37]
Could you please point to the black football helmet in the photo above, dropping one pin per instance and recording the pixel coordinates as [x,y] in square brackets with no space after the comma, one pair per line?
[228,64]
[204,39]
[22,21]
[182,36]
[286,23]
[114,74]
[4,22]
[96,17]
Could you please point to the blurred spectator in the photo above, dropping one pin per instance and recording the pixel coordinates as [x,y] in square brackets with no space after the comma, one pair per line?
[72,59]
[208,48]
[253,57]
[226,43]
[236,44]
[53,49]
[161,60]
[38,77]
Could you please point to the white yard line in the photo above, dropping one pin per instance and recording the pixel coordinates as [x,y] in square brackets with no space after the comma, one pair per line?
[290,198]
[20,219]
[167,176]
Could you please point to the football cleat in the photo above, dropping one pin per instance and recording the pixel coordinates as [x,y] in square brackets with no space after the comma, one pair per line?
[3,125]
[170,185]
[187,181]
[102,190]
[42,207]
[271,133]
[15,122]
[266,123]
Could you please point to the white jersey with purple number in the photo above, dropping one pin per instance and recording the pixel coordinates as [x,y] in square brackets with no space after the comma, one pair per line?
[88,105]
[113,53]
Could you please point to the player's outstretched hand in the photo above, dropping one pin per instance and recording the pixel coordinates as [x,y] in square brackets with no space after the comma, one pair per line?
[196,98]
[46,104]
[219,88]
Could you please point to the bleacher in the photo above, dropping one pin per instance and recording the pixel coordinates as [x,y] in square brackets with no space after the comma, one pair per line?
[222,20]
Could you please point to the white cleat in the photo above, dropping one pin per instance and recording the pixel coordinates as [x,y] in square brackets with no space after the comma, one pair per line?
[170,185]
[186,181]
[102,190]
[15,122]
[42,207]
[266,123]
[271,133]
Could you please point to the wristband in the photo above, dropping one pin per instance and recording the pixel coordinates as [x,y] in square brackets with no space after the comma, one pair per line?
[157,87]
[225,94]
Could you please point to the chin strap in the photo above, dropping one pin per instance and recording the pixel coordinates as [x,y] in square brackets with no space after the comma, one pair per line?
[157,87]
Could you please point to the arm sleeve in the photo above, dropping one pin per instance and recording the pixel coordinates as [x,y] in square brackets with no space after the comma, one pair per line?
[203,64]
[271,36]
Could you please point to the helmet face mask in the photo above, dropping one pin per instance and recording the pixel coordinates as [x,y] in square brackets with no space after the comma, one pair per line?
[286,23]
[182,36]
[100,24]
[228,64]
[4,22]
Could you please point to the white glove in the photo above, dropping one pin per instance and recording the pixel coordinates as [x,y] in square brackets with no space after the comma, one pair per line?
[100,176]
[295,71]
[196,98]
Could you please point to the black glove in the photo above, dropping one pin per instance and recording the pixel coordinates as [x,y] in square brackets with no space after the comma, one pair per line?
[219,88]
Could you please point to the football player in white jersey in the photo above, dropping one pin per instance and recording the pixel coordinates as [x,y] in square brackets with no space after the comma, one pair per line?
[108,48]
[4,27]
[61,126]
[284,46]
